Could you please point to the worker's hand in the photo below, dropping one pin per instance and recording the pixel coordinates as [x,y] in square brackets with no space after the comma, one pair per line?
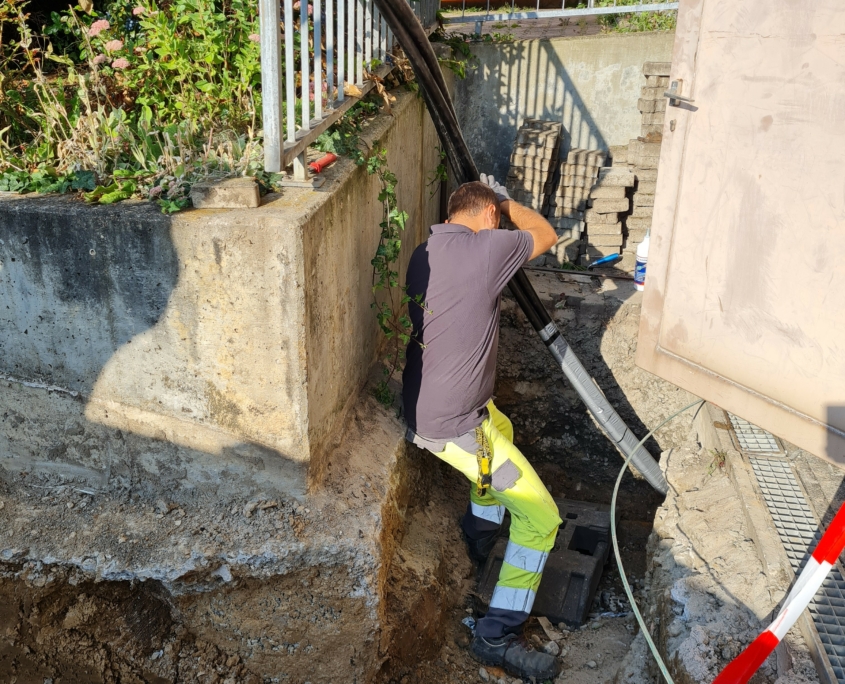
[500,190]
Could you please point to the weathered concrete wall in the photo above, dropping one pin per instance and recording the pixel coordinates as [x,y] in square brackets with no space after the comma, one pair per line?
[338,245]
[591,84]
[212,350]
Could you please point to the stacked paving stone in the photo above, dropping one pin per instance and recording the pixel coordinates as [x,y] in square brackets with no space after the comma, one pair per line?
[571,200]
[608,201]
[533,163]
[642,156]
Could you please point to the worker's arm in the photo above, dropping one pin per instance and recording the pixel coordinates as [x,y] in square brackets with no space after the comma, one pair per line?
[530,221]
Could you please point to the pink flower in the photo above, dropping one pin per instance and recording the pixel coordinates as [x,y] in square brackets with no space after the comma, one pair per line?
[255,38]
[137,11]
[98,27]
[296,5]
[310,10]
[99,59]
[113,45]
[120,63]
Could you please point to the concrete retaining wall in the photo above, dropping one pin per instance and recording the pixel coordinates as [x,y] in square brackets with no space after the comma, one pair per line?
[169,388]
[213,350]
[591,84]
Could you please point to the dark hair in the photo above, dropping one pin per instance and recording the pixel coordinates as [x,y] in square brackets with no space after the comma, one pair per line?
[471,198]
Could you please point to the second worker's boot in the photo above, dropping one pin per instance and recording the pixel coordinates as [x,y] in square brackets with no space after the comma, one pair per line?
[515,656]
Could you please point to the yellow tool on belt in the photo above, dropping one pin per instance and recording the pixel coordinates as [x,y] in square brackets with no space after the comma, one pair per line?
[485,462]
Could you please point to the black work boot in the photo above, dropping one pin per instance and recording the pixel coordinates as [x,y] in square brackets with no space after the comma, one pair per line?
[512,653]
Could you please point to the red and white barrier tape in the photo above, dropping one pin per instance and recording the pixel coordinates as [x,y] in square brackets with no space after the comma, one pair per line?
[741,668]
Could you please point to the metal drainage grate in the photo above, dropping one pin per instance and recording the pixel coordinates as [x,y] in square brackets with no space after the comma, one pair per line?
[752,438]
[799,534]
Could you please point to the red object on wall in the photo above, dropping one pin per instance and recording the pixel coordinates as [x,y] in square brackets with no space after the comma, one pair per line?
[323,162]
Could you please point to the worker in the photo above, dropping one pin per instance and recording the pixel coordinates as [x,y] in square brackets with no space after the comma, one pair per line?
[455,282]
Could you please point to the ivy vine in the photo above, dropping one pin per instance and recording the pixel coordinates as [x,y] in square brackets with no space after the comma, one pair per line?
[390,298]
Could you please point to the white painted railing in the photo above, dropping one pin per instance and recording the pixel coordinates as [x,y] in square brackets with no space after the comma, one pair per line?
[342,38]
[478,18]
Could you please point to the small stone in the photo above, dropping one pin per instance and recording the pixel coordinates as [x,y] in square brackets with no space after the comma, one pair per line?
[162,507]
[595,625]
[229,193]
[592,664]
[2,505]
[482,673]
[250,508]
[70,504]
[551,648]
[177,523]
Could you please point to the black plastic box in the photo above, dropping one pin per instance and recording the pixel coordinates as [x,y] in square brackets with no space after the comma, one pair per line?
[574,566]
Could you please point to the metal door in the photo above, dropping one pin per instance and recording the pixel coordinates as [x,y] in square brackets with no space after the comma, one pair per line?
[745,292]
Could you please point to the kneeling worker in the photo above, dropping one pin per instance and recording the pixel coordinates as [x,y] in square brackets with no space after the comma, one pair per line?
[456,279]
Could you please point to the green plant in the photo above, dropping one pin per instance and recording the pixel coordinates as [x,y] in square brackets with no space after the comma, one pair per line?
[440,173]
[391,309]
[146,99]
[720,459]
[635,21]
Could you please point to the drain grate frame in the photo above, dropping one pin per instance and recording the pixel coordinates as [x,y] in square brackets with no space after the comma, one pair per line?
[799,533]
[752,439]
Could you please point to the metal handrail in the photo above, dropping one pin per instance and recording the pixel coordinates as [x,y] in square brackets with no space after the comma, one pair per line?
[513,15]
[347,36]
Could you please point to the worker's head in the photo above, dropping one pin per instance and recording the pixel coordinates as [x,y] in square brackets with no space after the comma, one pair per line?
[475,206]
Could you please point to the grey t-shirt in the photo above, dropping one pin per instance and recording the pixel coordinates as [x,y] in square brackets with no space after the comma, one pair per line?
[450,367]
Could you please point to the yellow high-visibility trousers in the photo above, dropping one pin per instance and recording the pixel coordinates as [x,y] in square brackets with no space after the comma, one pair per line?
[534,521]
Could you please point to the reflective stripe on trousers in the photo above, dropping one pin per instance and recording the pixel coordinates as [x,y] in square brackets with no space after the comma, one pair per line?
[495,513]
[512,599]
[524,558]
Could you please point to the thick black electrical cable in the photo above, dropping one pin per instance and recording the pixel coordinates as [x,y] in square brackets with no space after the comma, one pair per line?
[438,101]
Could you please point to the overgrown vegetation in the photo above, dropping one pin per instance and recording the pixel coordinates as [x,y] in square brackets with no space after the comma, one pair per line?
[635,21]
[140,100]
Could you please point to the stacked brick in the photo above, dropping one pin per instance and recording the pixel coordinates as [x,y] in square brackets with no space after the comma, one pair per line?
[533,162]
[571,199]
[642,157]
[608,202]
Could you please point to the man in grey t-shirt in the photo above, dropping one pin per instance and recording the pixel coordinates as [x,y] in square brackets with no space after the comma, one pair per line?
[455,281]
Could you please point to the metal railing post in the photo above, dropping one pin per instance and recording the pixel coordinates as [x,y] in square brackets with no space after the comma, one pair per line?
[341,37]
[329,54]
[290,84]
[359,43]
[318,60]
[271,83]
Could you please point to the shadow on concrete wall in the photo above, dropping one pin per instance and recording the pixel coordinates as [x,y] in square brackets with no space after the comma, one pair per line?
[527,80]
[79,285]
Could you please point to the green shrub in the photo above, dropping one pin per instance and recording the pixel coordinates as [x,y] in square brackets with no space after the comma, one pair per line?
[147,97]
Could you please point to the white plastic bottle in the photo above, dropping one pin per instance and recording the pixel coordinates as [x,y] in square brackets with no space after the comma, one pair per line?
[642,260]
